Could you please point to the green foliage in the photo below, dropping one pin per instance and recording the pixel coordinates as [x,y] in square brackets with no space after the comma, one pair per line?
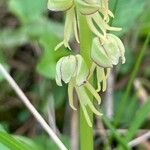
[28,10]
[126,13]
[35,27]
[138,120]
[129,86]
[12,143]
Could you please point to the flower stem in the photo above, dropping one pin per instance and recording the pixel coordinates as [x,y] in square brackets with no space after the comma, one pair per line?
[86,132]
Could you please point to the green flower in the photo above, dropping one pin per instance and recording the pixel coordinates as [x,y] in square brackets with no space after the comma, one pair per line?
[91,9]
[104,56]
[74,71]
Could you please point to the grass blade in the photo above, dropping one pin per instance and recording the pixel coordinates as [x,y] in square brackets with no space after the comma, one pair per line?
[123,103]
[12,143]
[114,132]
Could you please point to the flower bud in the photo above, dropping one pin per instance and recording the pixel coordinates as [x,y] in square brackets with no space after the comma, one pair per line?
[71,68]
[107,54]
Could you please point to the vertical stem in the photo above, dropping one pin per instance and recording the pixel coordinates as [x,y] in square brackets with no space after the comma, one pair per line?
[86,132]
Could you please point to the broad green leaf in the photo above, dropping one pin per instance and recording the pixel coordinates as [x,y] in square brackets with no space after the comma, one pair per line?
[12,143]
[60,96]
[49,58]
[126,13]
[47,144]
[29,142]
[3,147]
[28,10]
[12,38]
[144,20]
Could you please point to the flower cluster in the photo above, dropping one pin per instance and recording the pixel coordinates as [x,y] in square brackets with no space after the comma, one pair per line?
[106,50]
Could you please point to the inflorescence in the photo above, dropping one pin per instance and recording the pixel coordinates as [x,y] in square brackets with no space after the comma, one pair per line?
[106,51]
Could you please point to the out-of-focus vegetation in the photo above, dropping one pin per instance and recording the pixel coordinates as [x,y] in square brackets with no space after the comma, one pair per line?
[28,35]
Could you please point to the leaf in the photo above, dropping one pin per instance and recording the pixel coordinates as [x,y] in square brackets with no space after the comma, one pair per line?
[29,142]
[3,147]
[114,132]
[28,10]
[129,85]
[60,97]
[47,144]
[144,20]
[126,67]
[12,143]
[138,120]
[48,41]
[12,38]
[126,12]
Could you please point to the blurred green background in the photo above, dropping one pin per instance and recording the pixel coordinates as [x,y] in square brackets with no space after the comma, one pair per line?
[28,35]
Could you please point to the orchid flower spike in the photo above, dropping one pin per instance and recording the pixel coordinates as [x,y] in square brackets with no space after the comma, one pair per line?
[93,10]
[73,70]
[104,56]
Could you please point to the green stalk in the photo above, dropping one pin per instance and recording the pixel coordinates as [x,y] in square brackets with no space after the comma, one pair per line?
[86,132]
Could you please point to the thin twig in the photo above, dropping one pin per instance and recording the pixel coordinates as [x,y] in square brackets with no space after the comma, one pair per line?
[139,140]
[120,131]
[31,108]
